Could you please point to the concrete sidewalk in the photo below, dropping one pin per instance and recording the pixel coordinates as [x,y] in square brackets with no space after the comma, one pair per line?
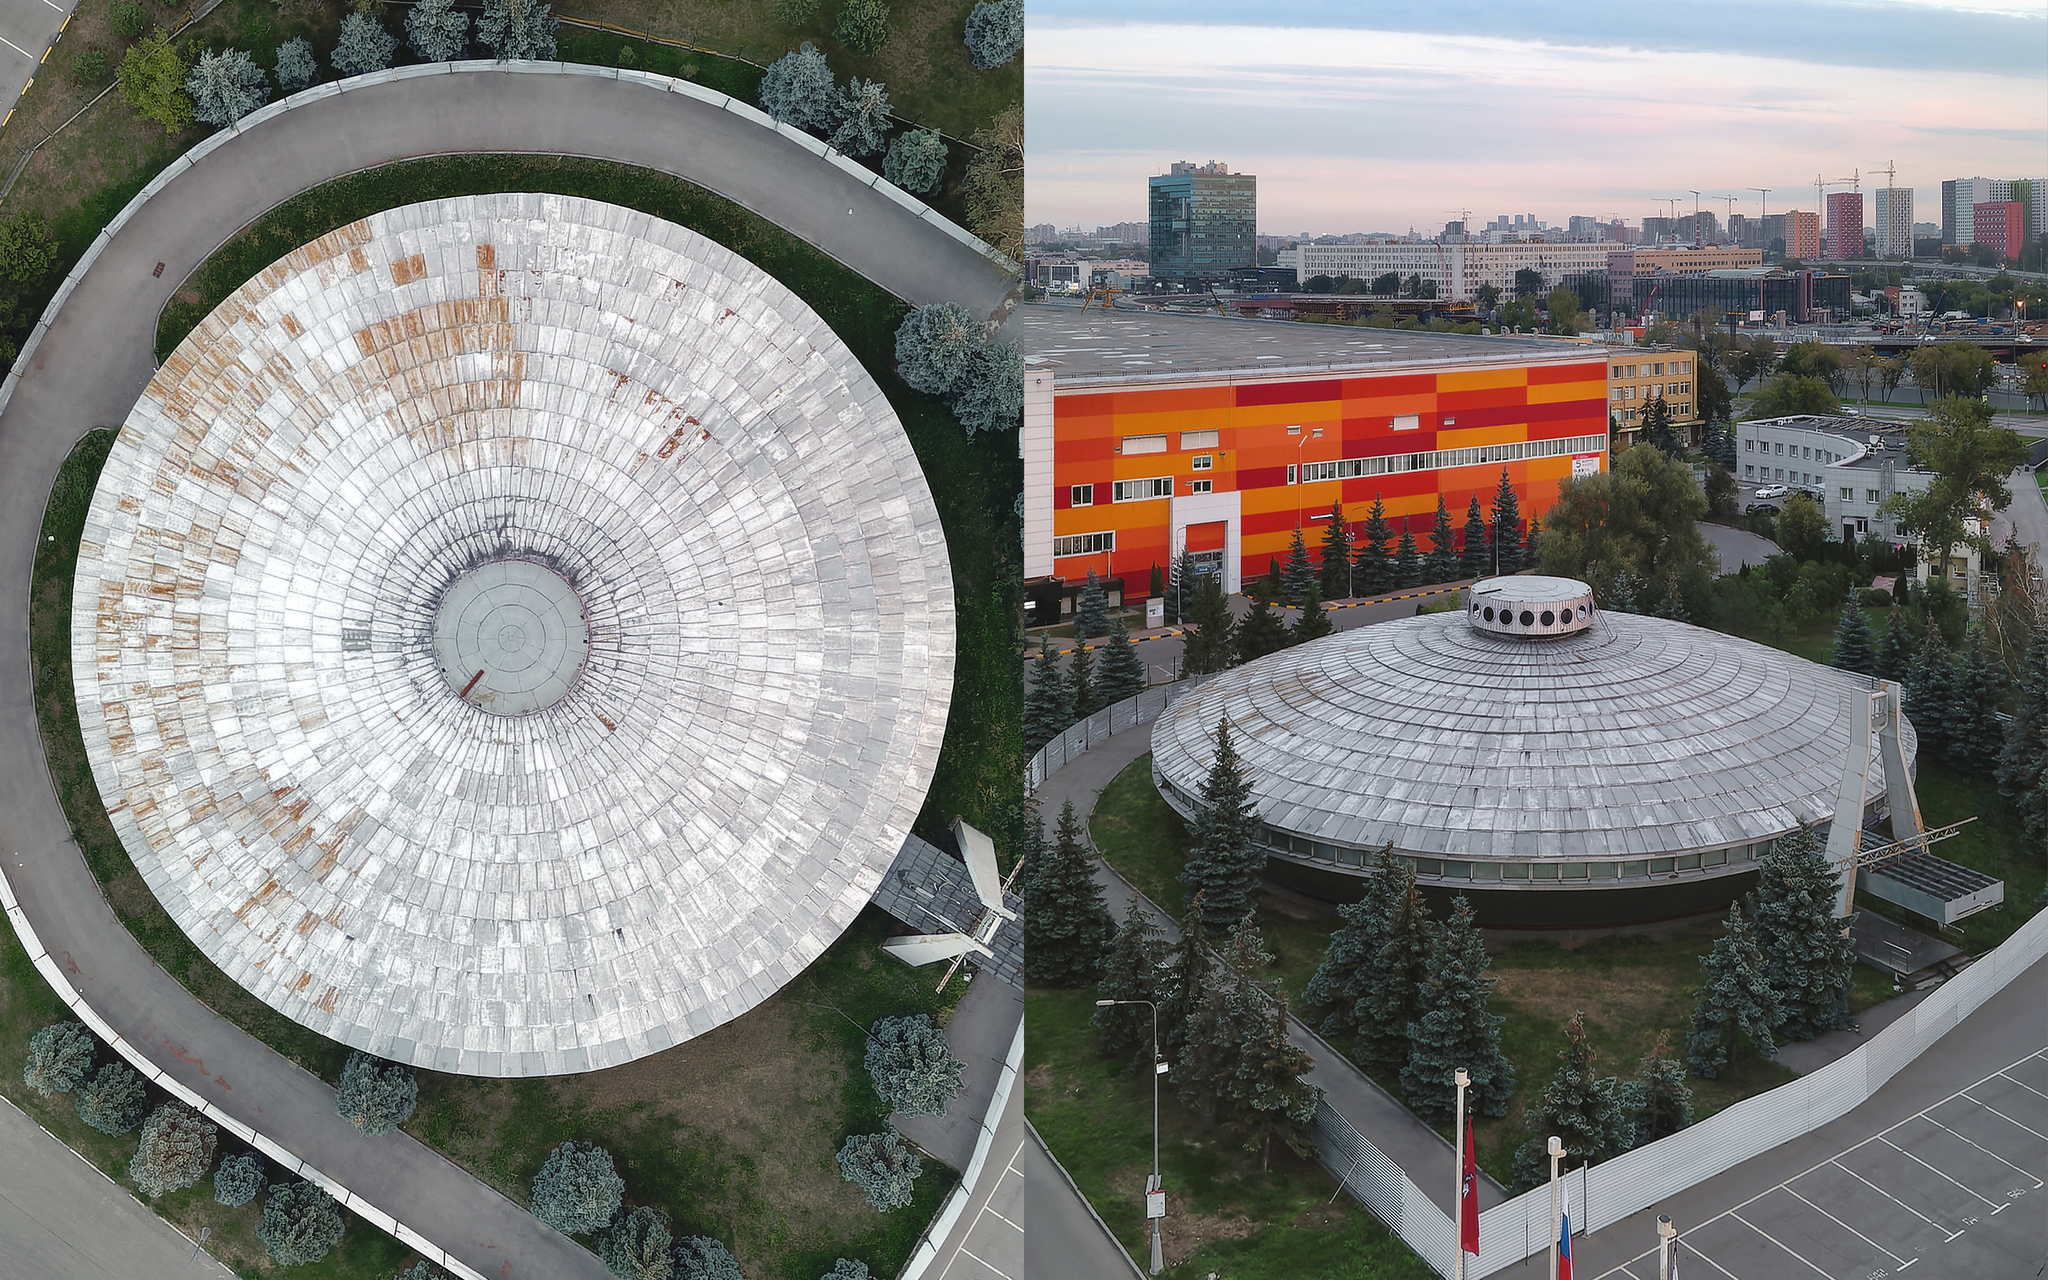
[979,1033]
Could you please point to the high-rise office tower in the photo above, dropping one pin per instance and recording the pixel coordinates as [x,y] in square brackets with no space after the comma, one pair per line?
[1204,222]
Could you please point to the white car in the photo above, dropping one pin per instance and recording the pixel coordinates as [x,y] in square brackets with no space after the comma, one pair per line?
[1773,491]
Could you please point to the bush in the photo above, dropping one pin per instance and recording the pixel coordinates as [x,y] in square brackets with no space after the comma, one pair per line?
[991,396]
[375,1096]
[301,1223]
[798,90]
[913,1069]
[296,68]
[225,86]
[936,346]
[115,1101]
[89,67]
[365,46]
[26,250]
[794,13]
[863,25]
[639,1247]
[59,1058]
[128,20]
[517,29]
[847,1269]
[916,160]
[702,1258]
[437,30]
[239,1179]
[863,118]
[176,1150]
[577,1190]
[995,32]
[1874,598]
[421,1270]
[882,1167]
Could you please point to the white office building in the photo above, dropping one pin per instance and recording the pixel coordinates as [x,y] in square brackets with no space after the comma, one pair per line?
[1457,270]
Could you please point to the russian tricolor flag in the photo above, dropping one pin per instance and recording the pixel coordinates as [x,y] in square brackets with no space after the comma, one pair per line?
[1564,1237]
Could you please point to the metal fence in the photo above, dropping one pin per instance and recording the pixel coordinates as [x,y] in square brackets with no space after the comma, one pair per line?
[1131,712]
[1381,1185]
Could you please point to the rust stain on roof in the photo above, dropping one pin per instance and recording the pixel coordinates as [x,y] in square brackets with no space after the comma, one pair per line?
[256,899]
[407,270]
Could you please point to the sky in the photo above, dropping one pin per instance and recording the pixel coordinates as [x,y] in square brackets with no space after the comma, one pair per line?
[1382,115]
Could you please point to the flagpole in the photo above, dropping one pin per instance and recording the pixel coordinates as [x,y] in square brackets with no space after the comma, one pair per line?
[1458,1197]
[1556,1154]
[1666,1233]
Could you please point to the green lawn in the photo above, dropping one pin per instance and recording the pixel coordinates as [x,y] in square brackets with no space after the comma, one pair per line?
[1224,1215]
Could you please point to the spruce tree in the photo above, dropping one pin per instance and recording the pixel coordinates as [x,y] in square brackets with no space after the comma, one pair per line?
[1930,692]
[114,1100]
[912,1066]
[1188,980]
[1268,1095]
[1529,557]
[1504,533]
[301,1223]
[1853,648]
[1976,735]
[1066,924]
[1442,564]
[1577,1106]
[1121,674]
[1269,586]
[577,1189]
[1670,604]
[1335,574]
[1807,961]
[1135,970]
[2023,766]
[1209,641]
[175,1152]
[1894,659]
[1313,624]
[59,1058]
[1657,1102]
[1737,997]
[1351,965]
[375,1096]
[1407,564]
[1297,573]
[1091,612]
[1048,702]
[1223,1022]
[639,1246]
[1225,855]
[1375,571]
[1158,589]
[1456,1030]
[1395,999]
[1262,632]
[1623,595]
[1180,588]
[1081,682]
[1473,561]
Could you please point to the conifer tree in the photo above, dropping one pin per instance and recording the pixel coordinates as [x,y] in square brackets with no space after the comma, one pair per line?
[1032,848]
[1407,564]
[375,1096]
[1297,573]
[301,1223]
[1670,604]
[1622,596]
[1853,648]
[114,1100]
[1807,961]
[1262,632]
[239,1179]
[912,1066]
[1188,980]
[1442,564]
[1335,573]
[1049,702]
[1530,559]
[2023,767]
[577,1189]
[1209,641]
[1582,1109]
[639,1246]
[1269,586]
[1504,534]
[175,1152]
[1456,1030]
[1395,999]
[1894,659]
[1473,560]
[1180,588]
[1066,924]
[1976,735]
[1736,998]
[1135,970]
[1121,673]
[1930,692]
[1225,855]
[1091,612]
[1375,571]
[1269,1097]
[1657,1102]
[1158,582]
[1227,1018]
[1313,624]
[1351,964]
[1081,680]
[59,1058]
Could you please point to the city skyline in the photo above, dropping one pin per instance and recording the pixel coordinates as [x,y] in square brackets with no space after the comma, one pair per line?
[1594,111]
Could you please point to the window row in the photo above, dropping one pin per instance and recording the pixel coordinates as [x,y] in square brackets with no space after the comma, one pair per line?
[1084,544]
[1458,869]
[1655,370]
[1441,459]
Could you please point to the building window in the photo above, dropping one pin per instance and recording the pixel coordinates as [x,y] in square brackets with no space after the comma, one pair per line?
[1780,475]
[1749,446]
[1201,486]
[1084,544]
[1294,430]
[1781,448]
[1140,490]
[1198,439]
[1292,476]
[1685,366]
[1204,462]
[1144,444]
[1081,495]
[1631,372]
[1847,493]
[1749,471]
[1628,415]
[1657,370]
[1685,388]
[1870,495]
[1407,422]
[1617,371]
[1617,392]
[1862,526]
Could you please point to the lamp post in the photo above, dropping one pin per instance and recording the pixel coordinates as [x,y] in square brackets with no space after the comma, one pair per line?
[1667,1235]
[1153,1189]
[1300,469]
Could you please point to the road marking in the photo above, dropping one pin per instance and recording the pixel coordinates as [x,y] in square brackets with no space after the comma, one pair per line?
[2002,1116]
[1895,1200]
[2038,1184]
[58,7]
[1009,1168]
[1931,1169]
[2022,1084]
[17,48]
[1774,1240]
[1844,1226]
[1694,1250]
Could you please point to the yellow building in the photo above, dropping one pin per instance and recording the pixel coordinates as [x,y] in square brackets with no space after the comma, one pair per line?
[1686,261]
[1638,375]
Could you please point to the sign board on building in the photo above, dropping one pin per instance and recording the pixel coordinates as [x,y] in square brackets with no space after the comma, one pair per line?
[1155,612]
[1587,464]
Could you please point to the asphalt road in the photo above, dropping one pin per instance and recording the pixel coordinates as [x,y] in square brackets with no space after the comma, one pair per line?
[26,29]
[88,371]
[987,1243]
[62,1219]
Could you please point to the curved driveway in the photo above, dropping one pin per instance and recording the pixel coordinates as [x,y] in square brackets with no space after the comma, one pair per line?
[89,362]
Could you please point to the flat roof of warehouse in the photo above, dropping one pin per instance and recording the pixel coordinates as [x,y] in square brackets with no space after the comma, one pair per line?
[1128,345]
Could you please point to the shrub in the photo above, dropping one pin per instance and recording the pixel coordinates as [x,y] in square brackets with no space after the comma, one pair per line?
[517,29]
[437,30]
[798,90]
[153,83]
[365,46]
[114,1101]
[914,1070]
[936,345]
[847,1269]
[916,160]
[239,1179]
[225,86]
[128,19]
[794,13]
[301,1223]
[991,395]
[863,25]
[375,1096]
[882,1167]
[577,1190]
[1874,598]
[89,67]
[702,1258]
[638,1246]
[863,118]
[995,32]
[296,68]
[176,1150]
[421,1270]
[59,1058]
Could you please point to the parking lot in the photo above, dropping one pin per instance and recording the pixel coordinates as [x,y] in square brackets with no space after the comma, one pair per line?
[1950,1188]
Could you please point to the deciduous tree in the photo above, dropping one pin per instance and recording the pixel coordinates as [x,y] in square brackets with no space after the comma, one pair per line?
[1971,461]
[992,190]
[153,82]
[1642,517]
[863,25]
[639,1246]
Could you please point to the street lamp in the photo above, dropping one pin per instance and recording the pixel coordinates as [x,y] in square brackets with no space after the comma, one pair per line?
[1155,1193]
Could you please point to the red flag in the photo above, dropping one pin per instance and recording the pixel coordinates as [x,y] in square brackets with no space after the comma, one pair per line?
[1468,1198]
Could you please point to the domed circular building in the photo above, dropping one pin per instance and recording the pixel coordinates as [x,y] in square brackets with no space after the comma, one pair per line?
[513,635]
[1558,764]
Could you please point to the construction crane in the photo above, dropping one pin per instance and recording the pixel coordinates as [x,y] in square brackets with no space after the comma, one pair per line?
[1107,293]
[1764,206]
[1698,240]
[1730,229]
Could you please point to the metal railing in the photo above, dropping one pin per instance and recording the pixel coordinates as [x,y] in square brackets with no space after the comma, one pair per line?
[1128,714]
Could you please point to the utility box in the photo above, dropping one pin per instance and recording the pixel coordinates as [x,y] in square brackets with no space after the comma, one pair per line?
[1155,613]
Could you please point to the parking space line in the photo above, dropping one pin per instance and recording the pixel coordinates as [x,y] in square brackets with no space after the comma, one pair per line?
[1845,1226]
[1774,1240]
[2038,1184]
[2002,1116]
[1895,1200]
[985,1262]
[1936,1172]
[2022,1084]
[1694,1250]
[17,48]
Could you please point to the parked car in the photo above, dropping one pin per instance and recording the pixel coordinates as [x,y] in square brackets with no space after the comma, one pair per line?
[1773,491]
